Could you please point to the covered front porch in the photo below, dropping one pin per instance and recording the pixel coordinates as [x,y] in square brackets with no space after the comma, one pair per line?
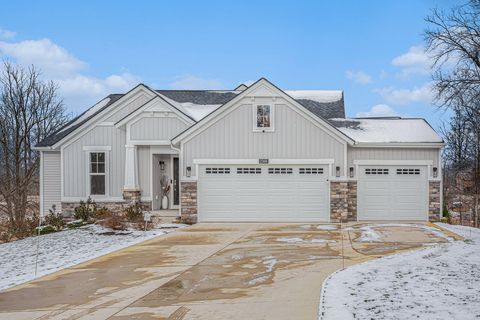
[152,177]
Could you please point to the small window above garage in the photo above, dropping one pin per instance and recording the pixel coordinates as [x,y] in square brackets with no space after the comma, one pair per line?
[263,118]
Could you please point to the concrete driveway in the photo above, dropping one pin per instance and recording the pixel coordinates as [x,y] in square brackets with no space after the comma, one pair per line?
[213,271]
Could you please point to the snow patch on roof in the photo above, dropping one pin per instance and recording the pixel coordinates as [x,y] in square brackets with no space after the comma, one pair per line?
[378,130]
[87,114]
[199,111]
[322,96]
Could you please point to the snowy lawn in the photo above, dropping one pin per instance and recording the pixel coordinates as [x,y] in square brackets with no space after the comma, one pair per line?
[64,249]
[438,282]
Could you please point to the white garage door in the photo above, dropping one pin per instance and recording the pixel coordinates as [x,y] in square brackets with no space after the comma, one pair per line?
[392,193]
[254,193]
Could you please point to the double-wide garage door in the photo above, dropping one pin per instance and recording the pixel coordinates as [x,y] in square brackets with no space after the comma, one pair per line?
[392,193]
[257,193]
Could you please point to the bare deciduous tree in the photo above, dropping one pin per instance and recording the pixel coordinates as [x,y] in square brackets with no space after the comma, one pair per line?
[30,110]
[453,40]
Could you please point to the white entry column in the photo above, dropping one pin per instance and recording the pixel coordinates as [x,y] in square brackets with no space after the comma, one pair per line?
[131,168]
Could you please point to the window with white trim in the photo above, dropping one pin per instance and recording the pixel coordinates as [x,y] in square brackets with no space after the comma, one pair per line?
[263,117]
[97,172]
[280,170]
[375,171]
[217,170]
[249,170]
[405,171]
[310,170]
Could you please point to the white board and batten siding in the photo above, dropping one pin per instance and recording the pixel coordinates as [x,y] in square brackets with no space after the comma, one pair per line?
[294,137]
[51,181]
[76,167]
[156,128]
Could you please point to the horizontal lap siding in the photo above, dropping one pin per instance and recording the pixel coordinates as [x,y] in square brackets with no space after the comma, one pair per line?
[51,181]
[156,128]
[392,154]
[232,137]
[75,166]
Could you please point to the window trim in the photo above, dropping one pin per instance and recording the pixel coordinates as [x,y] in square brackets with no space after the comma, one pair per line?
[272,118]
[89,151]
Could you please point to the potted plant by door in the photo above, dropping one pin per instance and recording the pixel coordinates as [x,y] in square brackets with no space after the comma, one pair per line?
[165,189]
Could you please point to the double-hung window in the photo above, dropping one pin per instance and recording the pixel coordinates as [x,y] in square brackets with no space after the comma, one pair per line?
[97,173]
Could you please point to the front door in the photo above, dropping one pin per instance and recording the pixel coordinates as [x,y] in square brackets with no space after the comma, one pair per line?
[176,183]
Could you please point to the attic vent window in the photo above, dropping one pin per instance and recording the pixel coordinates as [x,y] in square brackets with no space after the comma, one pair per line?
[263,118]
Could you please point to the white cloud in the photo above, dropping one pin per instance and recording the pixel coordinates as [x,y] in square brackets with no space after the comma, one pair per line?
[56,63]
[379,110]
[415,61]
[193,82]
[358,77]
[52,59]
[7,34]
[396,96]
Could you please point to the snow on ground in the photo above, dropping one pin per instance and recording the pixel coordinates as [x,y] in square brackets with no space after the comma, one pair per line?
[439,282]
[64,249]
[300,240]
[327,227]
[370,234]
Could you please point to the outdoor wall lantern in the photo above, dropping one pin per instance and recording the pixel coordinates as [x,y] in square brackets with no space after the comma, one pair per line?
[351,172]
[189,171]
[337,172]
[162,165]
[435,172]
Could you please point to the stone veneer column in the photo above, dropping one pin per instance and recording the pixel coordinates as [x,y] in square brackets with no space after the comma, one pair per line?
[188,201]
[434,209]
[352,201]
[343,201]
[132,197]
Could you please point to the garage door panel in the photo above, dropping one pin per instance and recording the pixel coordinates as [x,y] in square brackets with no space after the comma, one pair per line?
[259,193]
[397,193]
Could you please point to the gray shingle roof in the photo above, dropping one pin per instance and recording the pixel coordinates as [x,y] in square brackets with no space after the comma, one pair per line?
[325,110]
[200,96]
[62,132]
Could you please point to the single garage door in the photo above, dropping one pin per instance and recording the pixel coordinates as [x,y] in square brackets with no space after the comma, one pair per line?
[255,193]
[392,193]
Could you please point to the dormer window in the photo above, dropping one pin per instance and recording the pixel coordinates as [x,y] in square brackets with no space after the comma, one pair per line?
[263,117]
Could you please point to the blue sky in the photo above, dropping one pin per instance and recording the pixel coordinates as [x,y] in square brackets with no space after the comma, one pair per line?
[370,49]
